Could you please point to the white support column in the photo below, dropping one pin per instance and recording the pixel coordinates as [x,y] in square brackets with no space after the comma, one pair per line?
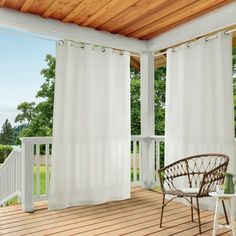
[27,176]
[147,119]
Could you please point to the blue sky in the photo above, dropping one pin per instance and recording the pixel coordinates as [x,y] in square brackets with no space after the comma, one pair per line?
[21,60]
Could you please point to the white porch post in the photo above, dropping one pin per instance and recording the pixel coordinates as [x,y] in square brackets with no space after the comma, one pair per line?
[147,119]
[27,176]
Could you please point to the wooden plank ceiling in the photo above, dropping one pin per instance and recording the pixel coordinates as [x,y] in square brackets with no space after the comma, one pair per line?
[142,19]
[160,61]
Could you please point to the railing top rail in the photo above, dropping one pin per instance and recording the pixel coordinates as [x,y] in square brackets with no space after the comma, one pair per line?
[158,137]
[46,140]
[9,158]
[153,137]
[137,137]
[37,140]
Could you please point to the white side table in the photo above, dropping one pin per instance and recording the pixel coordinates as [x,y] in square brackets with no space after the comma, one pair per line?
[230,199]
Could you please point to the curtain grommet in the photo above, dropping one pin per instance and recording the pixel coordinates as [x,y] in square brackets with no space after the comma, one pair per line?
[60,43]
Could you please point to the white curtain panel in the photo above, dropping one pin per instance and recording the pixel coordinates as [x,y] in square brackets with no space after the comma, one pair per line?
[199,99]
[91,130]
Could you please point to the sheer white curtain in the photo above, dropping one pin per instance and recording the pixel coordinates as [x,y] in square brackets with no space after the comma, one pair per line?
[199,99]
[91,132]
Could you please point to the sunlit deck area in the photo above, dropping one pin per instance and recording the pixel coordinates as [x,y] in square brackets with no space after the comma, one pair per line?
[137,216]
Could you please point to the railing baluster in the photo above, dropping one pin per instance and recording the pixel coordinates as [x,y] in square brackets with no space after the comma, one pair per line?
[131,161]
[13,174]
[157,160]
[3,182]
[134,161]
[10,179]
[37,159]
[139,160]
[7,180]
[47,168]
[14,170]
[17,172]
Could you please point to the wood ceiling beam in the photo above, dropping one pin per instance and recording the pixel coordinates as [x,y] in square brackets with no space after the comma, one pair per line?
[88,11]
[182,20]
[159,61]
[100,12]
[135,63]
[27,4]
[181,14]
[137,11]
[173,7]
[50,28]
[234,42]
[51,9]
[196,28]
[73,15]
[114,10]
[2,2]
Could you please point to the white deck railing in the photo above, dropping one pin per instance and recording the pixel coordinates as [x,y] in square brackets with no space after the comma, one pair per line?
[42,164]
[36,162]
[10,177]
[30,168]
[136,157]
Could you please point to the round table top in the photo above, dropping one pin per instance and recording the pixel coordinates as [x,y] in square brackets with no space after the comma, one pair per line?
[215,194]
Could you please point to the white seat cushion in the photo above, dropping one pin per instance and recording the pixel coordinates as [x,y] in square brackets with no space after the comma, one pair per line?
[189,190]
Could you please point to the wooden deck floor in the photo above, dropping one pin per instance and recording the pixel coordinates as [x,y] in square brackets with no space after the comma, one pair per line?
[137,216]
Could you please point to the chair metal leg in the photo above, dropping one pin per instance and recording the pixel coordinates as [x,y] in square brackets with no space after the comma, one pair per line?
[192,209]
[162,209]
[199,220]
[226,217]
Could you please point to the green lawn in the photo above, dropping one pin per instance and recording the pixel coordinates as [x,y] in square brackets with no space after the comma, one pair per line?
[43,179]
[43,182]
[132,175]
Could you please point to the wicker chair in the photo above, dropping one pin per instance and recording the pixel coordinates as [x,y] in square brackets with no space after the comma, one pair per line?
[202,172]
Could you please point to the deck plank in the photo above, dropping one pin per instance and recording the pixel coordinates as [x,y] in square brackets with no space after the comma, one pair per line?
[21,216]
[136,216]
[85,216]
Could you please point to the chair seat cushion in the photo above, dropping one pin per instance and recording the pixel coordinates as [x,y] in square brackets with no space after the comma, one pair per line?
[180,193]
[189,190]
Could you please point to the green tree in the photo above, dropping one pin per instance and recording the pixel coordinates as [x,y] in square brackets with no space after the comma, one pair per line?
[44,109]
[6,136]
[27,112]
[16,132]
[135,102]
[234,60]
[159,97]
[38,117]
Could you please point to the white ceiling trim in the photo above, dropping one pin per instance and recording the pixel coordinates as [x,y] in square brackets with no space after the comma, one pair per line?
[216,20]
[213,21]
[55,29]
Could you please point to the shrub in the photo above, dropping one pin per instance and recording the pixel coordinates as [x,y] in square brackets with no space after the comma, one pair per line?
[4,152]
